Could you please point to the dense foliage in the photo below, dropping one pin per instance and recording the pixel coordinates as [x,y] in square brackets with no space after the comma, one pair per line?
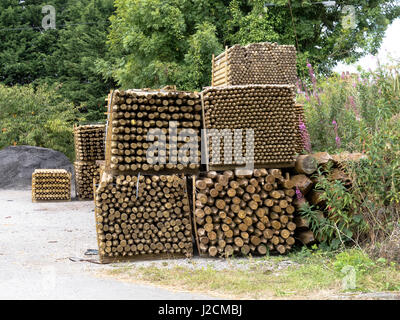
[159,42]
[38,117]
[357,113]
[66,55]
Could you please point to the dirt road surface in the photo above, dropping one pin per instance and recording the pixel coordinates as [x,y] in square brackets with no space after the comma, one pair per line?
[36,242]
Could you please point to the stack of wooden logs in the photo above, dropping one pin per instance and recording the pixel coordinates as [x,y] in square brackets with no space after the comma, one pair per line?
[257,63]
[89,148]
[143,217]
[299,110]
[244,211]
[85,172]
[267,109]
[51,185]
[333,167]
[89,142]
[132,143]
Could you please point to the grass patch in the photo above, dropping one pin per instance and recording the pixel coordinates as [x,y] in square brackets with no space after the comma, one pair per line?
[314,275]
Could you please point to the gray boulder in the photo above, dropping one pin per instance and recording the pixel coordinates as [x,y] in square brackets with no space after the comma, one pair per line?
[18,163]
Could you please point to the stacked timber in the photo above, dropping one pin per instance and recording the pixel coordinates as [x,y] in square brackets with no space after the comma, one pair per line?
[333,167]
[257,63]
[299,110]
[89,142]
[51,184]
[142,217]
[85,172]
[244,212]
[89,148]
[154,131]
[269,110]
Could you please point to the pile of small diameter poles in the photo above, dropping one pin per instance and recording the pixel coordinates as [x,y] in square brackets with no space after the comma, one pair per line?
[89,142]
[242,212]
[89,148]
[299,109]
[135,113]
[334,168]
[267,109]
[143,217]
[85,172]
[257,63]
[51,184]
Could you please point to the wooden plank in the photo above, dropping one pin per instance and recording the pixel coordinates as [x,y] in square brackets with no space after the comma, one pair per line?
[222,76]
[165,172]
[95,218]
[220,56]
[212,70]
[224,167]
[144,257]
[47,201]
[196,235]
[204,131]
[220,71]
[109,131]
[220,67]
[226,58]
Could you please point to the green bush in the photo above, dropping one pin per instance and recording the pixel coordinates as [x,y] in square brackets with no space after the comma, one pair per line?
[357,114]
[36,117]
[359,104]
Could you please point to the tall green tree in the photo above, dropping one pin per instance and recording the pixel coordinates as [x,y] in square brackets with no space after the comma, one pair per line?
[158,42]
[79,45]
[24,46]
[65,55]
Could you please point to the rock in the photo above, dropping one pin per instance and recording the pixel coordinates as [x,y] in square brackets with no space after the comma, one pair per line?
[18,163]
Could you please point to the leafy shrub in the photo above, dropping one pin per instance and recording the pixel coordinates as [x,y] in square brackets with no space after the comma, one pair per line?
[342,223]
[363,114]
[348,107]
[37,117]
[355,258]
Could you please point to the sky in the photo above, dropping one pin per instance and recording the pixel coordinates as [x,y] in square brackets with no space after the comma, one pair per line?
[390,48]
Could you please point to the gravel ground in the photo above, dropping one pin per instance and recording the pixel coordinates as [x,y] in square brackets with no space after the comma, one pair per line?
[36,242]
[198,263]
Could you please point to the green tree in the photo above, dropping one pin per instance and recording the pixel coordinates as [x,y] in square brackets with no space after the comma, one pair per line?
[78,47]
[320,31]
[24,47]
[66,55]
[159,42]
[36,117]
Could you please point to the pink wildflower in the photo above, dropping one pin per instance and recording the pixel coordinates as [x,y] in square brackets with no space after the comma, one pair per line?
[354,107]
[299,195]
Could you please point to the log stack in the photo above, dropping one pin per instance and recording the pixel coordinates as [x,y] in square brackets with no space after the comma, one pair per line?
[89,142]
[89,148]
[267,109]
[299,110]
[142,217]
[257,63]
[85,172]
[133,146]
[51,185]
[244,212]
[331,166]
